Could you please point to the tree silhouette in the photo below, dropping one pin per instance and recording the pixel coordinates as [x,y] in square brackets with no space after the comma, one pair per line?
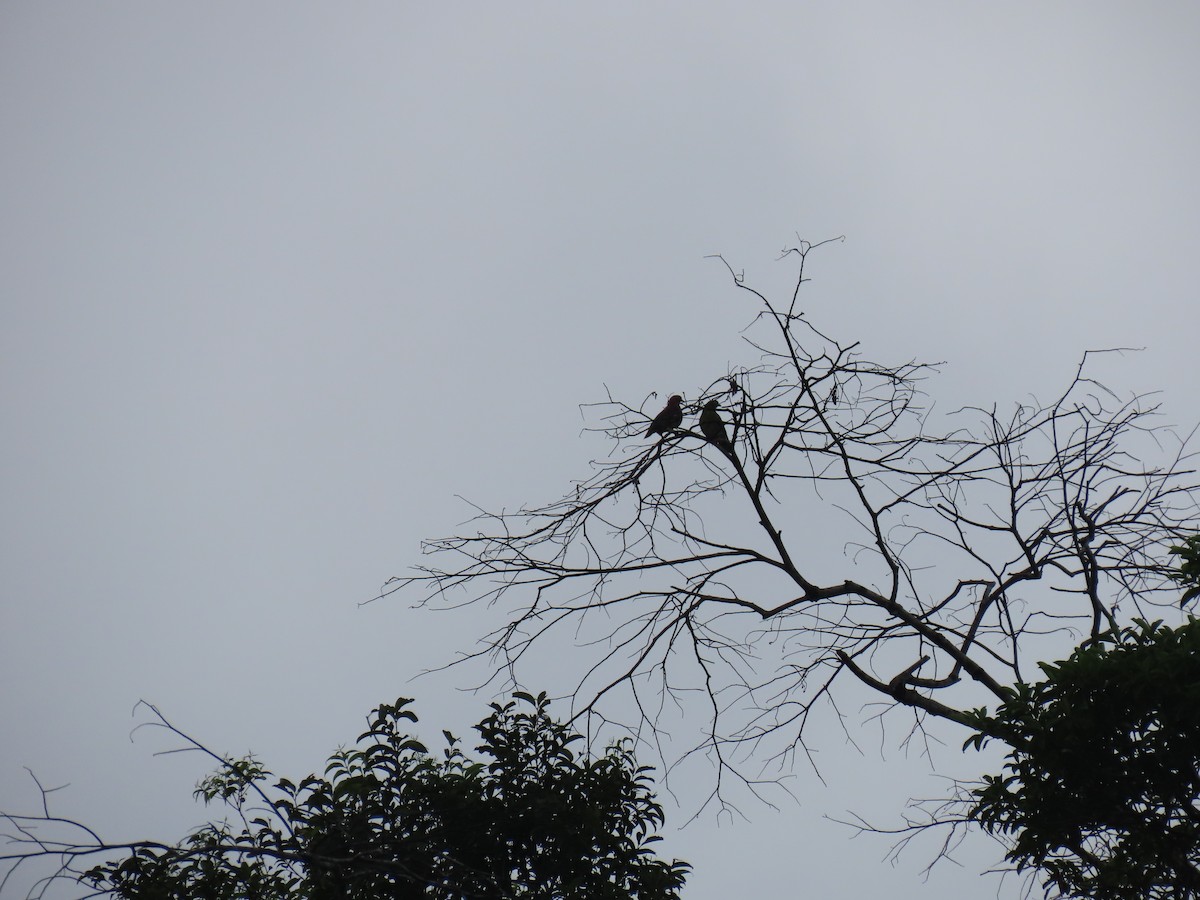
[1101,789]
[532,818]
[848,536]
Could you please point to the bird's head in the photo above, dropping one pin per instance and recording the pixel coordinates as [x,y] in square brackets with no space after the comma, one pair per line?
[675,400]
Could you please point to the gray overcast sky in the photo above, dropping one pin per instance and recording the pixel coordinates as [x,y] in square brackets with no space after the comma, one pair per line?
[279,280]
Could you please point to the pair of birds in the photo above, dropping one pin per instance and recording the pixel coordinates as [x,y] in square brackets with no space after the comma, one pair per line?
[711,425]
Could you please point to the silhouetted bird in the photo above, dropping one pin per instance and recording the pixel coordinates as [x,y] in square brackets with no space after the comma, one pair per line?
[671,417]
[713,428]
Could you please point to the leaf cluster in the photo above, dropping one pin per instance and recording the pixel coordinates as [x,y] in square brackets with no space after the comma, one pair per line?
[531,817]
[1101,790]
[1188,574]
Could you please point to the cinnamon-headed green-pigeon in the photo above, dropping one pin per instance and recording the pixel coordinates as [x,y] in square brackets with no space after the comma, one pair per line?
[713,428]
[670,418]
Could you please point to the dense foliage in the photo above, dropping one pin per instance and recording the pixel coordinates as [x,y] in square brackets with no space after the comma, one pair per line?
[531,817]
[1101,790]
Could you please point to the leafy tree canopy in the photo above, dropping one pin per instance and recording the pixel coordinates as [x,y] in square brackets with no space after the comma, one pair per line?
[1101,790]
[532,816]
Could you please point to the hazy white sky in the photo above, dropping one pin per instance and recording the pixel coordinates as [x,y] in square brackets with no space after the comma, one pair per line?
[279,280]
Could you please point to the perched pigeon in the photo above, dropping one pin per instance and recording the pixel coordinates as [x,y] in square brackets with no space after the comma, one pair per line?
[670,418]
[713,427]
